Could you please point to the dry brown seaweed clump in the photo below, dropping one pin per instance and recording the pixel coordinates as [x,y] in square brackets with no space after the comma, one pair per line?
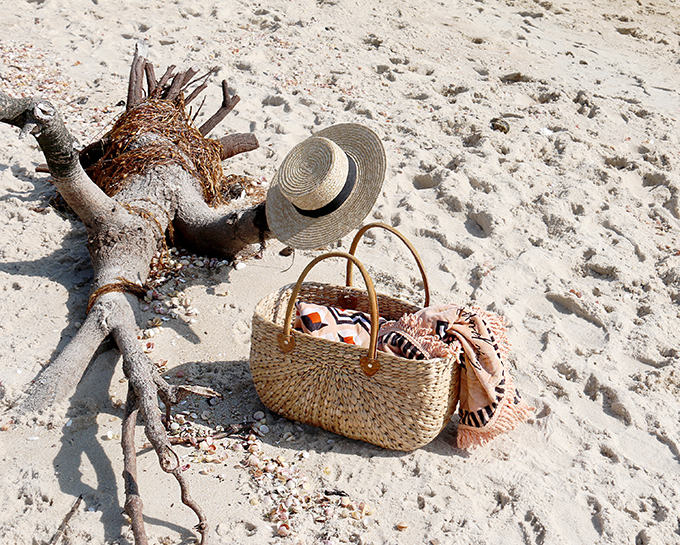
[119,155]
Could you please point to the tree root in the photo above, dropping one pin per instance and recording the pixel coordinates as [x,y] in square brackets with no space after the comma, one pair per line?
[122,239]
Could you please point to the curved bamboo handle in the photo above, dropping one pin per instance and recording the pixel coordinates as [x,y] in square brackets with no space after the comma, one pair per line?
[369,363]
[419,262]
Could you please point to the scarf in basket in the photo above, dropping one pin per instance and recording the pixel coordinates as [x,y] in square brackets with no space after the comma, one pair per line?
[334,324]
[489,402]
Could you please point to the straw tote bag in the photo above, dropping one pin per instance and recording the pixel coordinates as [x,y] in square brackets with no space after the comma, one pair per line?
[358,392]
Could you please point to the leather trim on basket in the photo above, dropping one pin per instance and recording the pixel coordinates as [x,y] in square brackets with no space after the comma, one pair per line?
[286,342]
[370,366]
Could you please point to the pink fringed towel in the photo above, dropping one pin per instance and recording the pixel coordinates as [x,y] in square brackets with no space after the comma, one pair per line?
[489,402]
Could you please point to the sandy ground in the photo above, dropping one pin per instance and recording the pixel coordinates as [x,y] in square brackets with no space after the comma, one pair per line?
[568,225]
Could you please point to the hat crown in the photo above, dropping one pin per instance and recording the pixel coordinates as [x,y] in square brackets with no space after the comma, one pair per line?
[313,173]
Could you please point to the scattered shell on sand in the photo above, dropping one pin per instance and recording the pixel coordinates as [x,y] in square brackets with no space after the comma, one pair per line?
[498,124]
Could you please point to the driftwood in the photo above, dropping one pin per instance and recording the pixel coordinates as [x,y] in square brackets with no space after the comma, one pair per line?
[127,220]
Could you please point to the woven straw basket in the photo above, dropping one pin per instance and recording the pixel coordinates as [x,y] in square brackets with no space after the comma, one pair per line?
[365,394]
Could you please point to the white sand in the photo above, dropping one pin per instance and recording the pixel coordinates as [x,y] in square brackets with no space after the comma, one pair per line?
[568,225]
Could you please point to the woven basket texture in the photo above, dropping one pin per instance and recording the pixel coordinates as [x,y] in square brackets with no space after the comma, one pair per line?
[404,406]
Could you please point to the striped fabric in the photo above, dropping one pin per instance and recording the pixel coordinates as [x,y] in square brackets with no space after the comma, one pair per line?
[334,324]
[489,404]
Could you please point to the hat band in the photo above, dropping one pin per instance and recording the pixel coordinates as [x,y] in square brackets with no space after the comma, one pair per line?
[341,197]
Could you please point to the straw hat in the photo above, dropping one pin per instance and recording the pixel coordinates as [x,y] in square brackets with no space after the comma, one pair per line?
[326,186]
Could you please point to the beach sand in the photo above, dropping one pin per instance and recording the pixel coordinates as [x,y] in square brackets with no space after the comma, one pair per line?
[567,225]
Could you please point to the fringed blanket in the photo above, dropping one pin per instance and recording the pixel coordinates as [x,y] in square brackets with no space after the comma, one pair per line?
[489,403]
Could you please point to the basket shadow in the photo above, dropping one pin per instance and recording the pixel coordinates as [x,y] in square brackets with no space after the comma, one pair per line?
[240,401]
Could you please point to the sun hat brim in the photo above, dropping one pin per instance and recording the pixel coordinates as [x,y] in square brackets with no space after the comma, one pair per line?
[306,233]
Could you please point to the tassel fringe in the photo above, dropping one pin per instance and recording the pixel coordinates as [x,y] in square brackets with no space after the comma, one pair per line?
[507,417]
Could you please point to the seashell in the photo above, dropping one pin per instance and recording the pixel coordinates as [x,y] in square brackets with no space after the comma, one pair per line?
[205,415]
[498,124]
[356,515]
[345,501]
[240,265]
[254,501]
[283,530]
[264,429]
[401,526]
[254,461]
[259,415]
[344,513]
[174,426]
[368,522]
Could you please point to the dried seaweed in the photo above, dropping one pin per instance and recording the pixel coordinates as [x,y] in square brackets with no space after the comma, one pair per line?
[180,143]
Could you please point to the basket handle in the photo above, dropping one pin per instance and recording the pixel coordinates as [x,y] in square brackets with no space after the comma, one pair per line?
[369,363]
[410,246]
